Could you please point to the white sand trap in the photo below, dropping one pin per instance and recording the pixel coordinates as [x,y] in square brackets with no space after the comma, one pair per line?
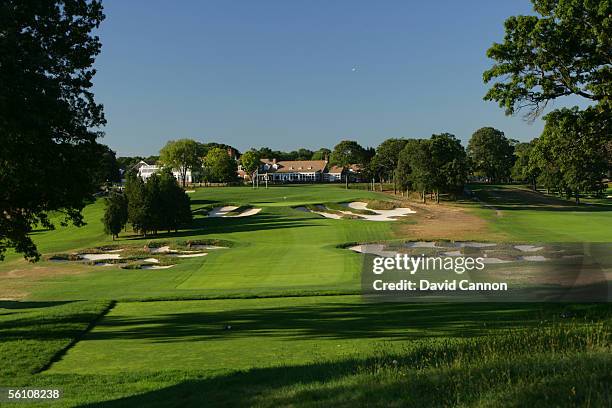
[374,249]
[328,215]
[528,248]
[487,260]
[475,244]
[221,211]
[421,244]
[114,250]
[191,255]
[160,250]
[247,213]
[381,215]
[151,260]
[99,257]
[453,253]
[206,247]
[156,266]
[190,191]
[534,258]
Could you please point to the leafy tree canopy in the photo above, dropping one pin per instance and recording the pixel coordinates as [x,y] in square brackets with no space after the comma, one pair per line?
[49,120]
[491,153]
[182,155]
[219,166]
[565,50]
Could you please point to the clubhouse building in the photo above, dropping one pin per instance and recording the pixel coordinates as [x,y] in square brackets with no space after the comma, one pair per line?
[302,171]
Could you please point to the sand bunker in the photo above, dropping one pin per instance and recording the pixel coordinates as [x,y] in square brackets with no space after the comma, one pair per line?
[206,247]
[380,215]
[99,257]
[151,260]
[156,266]
[223,212]
[528,248]
[190,255]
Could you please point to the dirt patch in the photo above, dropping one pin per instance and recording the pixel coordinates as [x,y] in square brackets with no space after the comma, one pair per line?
[17,278]
[445,221]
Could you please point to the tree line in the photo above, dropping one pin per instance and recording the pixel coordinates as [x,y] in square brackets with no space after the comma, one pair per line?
[159,204]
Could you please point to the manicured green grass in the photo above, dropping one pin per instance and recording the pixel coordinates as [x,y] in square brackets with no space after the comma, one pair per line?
[317,351]
[279,250]
[526,216]
[305,351]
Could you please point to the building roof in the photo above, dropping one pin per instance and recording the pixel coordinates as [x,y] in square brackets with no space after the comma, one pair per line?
[295,166]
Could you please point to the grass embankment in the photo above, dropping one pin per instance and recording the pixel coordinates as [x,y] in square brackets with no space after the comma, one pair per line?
[314,352]
[526,216]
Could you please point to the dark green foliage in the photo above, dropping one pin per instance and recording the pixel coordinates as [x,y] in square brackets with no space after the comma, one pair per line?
[219,167]
[321,154]
[158,204]
[345,153]
[491,154]
[47,113]
[115,214]
[449,162]
[182,155]
[523,168]
[571,154]
[384,162]
[565,50]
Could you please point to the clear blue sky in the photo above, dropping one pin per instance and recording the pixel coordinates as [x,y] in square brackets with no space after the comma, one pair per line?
[280,73]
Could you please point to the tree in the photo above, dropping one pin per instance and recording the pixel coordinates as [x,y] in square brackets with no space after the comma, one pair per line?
[345,153]
[566,50]
[524,168]
[136,197]
[220,167]
[321,154]
[404,169]
[174,203]
[250,161]
[491,154]
[420,171]
[107,170]
[384,162]
[571,151]
[49,120]
[115,214]
[448,164]
[182,155]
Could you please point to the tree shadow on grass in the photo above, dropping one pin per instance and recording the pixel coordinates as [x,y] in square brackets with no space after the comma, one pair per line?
[388,380]
[15,304]
[257,222]
[513,199]
[327,320]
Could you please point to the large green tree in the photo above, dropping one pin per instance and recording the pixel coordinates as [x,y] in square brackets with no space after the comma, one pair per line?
[182,155]
[384,162]
[321,154]
[491,154]
[346,153]
[250,162]
[571,153]
[115,213]
[49,120]
[566,49]
[219,166]
[448,164]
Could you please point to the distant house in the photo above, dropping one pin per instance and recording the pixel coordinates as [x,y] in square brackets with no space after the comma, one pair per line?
[302,171]
[292,171]
[145,171]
